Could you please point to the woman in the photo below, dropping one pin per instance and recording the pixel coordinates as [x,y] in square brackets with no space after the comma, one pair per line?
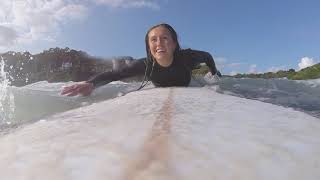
[166,64]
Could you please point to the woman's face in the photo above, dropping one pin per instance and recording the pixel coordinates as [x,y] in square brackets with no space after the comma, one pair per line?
[161,45]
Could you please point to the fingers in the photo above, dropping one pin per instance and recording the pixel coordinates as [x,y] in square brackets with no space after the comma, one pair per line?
[209,75]
[73,93]
[84,89]
[68,89]
[219,73]
[71,90]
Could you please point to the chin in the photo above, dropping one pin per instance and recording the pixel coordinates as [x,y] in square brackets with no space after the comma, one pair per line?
[161,59]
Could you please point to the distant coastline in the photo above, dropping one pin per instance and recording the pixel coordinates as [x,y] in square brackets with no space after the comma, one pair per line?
[65,64]
[312,72]
[56,65]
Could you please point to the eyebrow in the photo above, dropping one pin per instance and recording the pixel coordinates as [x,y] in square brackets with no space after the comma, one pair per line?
[166,34]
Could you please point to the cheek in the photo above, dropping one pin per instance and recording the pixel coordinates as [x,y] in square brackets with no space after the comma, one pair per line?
[172,46]
[152,50]
[151,47]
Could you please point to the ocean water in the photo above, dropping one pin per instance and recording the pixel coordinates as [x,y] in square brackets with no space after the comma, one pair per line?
[302,95]
[23,105]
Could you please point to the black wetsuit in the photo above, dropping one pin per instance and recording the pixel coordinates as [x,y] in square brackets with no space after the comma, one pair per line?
[177,74]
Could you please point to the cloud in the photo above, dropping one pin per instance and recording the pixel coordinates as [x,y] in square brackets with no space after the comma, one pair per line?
[223,62]
[253,68]
[32,20]
[220,59]
[233,73]
[7,36]
[234,65]
[27,21]
[306,62]
[71,12]
[276,69]
[231,67]
[129,3]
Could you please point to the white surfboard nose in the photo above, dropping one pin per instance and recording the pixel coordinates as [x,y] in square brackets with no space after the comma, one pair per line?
[166,133]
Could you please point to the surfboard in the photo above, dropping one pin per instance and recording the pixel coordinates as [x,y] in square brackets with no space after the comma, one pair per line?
[166,133]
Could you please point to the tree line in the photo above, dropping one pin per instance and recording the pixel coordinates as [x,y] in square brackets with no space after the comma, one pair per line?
[55,65]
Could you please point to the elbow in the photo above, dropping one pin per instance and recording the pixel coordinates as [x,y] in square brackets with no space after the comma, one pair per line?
[213,66]
[208,56]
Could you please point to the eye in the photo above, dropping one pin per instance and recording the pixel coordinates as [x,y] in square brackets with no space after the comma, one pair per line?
[153,39]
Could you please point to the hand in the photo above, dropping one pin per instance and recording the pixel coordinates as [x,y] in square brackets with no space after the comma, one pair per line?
[83,88]
[219,74]
[211,79]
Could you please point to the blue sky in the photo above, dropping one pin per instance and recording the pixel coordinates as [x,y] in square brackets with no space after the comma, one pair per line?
[243,36]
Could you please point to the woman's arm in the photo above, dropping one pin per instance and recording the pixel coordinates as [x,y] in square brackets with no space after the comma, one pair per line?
[136,67]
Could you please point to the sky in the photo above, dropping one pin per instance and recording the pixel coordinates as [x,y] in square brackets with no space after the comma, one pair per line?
[243,36]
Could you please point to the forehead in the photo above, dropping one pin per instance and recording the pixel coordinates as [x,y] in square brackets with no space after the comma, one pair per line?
[159,31]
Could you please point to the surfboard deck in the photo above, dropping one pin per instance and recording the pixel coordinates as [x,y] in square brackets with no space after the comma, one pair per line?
[166,133]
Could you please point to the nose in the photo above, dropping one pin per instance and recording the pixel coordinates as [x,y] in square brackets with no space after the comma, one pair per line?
[159,41]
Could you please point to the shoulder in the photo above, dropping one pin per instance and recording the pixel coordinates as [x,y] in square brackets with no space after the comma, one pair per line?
[140,61]
[192,53]
[186,51]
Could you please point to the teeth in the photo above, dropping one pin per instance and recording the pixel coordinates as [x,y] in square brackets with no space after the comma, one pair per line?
[160,50]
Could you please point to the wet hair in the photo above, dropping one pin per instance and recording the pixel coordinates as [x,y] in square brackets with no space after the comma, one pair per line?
[173,34]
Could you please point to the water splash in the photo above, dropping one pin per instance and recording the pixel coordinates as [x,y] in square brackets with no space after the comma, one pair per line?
[7,105]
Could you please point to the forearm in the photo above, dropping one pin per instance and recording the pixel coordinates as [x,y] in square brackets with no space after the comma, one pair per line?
[103,78]
[137,67]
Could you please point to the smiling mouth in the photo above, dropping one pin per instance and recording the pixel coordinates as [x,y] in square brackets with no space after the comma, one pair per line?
[160,51]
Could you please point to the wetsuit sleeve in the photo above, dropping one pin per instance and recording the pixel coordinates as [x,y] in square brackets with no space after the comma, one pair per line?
[135,68]
[203,57]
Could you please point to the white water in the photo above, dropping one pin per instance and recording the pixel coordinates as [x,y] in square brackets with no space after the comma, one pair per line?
[7,106]
[32,102]
[303,95]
